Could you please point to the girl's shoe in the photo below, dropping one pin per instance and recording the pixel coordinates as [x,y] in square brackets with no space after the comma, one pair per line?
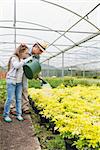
[7,119]
[20,118]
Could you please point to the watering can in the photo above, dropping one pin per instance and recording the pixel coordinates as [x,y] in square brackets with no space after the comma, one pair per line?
[32,69]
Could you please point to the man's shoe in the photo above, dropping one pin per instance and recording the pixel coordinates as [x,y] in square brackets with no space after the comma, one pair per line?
[7,119]
[13,112]
[20,118]
[26,112]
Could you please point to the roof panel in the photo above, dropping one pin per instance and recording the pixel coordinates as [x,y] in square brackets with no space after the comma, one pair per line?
[72,27]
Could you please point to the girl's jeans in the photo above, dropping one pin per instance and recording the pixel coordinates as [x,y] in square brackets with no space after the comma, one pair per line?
[13,91]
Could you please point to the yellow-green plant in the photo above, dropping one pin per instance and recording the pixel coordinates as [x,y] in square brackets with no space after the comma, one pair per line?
[75,112]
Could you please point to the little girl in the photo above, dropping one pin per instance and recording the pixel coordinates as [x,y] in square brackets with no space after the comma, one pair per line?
[14,81]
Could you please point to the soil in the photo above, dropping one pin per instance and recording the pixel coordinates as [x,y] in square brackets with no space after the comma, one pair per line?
[17,135]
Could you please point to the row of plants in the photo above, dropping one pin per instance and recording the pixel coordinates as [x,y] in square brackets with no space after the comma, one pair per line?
[67,81]
[48,140]
[2,91]
[75,112]
[55,82]
[2,95]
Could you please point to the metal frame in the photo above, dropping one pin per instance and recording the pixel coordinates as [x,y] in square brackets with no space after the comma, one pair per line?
[61,33]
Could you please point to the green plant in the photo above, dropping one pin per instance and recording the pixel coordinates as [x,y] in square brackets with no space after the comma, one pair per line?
[2,91]
[56,143]
[48,141]
[34,83]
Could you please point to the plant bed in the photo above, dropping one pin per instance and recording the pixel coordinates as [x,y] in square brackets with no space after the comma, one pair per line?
[48,141]
[73,110]
[49,127]
[44,121]
[2,95]
[2,91]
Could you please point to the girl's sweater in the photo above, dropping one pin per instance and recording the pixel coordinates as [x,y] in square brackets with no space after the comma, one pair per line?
[15,73]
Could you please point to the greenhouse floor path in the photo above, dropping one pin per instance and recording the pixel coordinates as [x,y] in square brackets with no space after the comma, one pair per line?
[18,135]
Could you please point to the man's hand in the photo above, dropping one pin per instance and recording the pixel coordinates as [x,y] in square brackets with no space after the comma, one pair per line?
[28,59]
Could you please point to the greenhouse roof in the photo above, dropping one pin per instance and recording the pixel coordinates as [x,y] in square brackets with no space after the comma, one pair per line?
[71,28]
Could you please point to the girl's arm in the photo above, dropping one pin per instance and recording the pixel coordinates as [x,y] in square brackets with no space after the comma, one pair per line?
[17,64]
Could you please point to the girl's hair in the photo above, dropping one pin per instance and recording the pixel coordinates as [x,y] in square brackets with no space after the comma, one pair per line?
[19,50]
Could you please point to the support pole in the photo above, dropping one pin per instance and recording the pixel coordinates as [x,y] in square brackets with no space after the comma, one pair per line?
[48,74]
[14,24]
[71,72]
[83,71]
[62,64]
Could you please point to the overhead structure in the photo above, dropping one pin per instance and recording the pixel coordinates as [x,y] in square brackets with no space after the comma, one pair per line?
[72,29]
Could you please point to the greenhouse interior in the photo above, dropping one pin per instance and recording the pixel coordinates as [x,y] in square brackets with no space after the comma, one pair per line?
[71,29]
[63,92]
